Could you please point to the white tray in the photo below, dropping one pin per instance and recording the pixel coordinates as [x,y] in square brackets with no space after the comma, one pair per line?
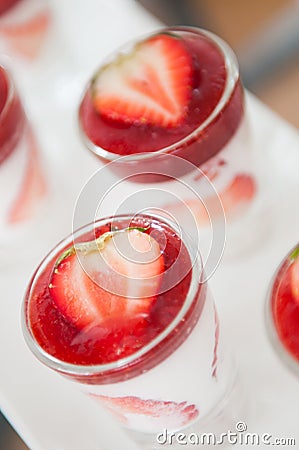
[47,411]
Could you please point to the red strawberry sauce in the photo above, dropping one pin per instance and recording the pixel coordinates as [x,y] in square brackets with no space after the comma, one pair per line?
[107,343]
[5,5]
[209,79]
[3,89]
[285,310]
[12,117]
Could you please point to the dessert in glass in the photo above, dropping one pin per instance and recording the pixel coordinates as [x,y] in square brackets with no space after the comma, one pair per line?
[282,310]
[175,92]
[22,181]
[120,308]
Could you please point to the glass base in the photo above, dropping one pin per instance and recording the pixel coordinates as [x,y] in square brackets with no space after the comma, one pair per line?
[206,431]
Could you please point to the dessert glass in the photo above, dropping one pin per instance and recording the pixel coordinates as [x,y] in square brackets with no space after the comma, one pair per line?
[24,25]
[180,377]
[220,145]
[282,311]
[22,181]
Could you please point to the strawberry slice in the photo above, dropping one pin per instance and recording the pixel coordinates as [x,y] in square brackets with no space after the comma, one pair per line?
[240,191]
[152,84]
[295,274]
[170,413]
[114,278]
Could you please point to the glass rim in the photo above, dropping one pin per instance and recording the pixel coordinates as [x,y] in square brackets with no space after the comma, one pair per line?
[279,348]
[94,369]
[11,92]
[232,70]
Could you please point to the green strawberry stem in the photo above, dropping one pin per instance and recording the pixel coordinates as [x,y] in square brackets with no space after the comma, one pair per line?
[95,245]
[294,254]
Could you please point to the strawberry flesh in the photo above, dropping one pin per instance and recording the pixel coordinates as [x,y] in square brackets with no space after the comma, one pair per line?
[150,85]
[117,338]
[209,76]
[26,38]
[173,413]
[114,284]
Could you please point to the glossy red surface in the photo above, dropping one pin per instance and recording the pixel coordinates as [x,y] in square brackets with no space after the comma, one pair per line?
[208,85]
[12,118]
[108,342]
[286,310]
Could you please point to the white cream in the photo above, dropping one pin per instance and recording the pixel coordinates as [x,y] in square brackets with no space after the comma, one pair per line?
[187,375]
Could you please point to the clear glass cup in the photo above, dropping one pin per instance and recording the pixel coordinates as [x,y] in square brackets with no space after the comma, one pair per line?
[23,186]
[181,377]
[33,46]
[220,145]
[282,311]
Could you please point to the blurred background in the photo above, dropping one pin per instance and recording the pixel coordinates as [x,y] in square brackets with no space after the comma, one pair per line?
[263,34]
[265,37]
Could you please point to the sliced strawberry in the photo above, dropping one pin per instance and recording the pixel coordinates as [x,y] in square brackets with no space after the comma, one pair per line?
[152,84]
[295,275]
[169,413]
[33,187]
[114,278]
[26,38]
[240,191]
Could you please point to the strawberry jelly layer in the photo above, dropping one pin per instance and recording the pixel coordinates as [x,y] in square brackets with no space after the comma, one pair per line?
[12,118]
[5,5]
[286,311]
[208,86]
[3,90]
[108,342]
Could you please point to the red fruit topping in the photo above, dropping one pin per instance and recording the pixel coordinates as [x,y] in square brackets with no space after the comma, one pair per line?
[285,303]
[170,413]
[241,190]
[114,278]
[3,89]
[152,84]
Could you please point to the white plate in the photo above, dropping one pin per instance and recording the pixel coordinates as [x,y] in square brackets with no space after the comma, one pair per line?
[47,411]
